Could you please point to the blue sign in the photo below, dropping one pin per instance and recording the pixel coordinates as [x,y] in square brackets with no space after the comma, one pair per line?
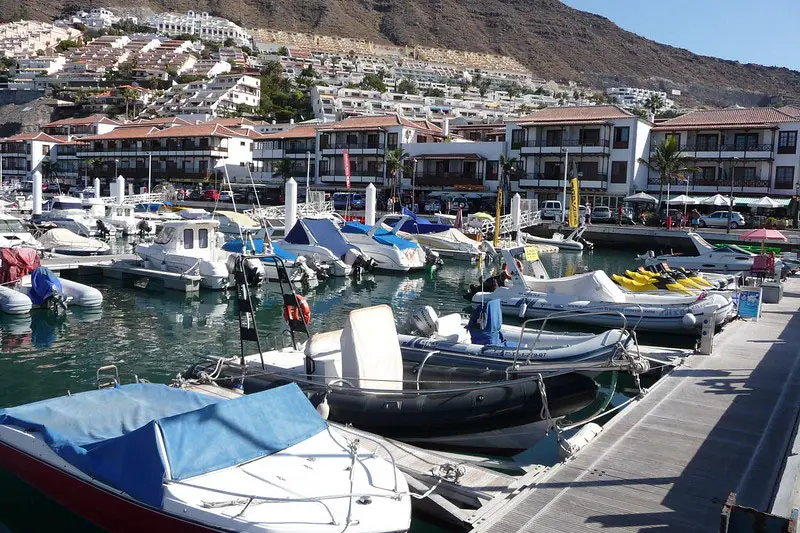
[750,303]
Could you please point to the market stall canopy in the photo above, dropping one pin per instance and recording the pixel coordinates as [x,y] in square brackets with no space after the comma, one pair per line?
[766,201]
[716,200]
[641,197]
[683,200]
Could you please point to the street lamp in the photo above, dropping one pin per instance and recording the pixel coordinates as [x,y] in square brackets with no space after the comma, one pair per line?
[564,197]
[414,185]
[308,174]
[730,200]
[116,168]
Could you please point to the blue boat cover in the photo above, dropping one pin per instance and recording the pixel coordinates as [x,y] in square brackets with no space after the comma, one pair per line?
[328,235]
[236,247]
[43,284]
[485,323]
[381,235]
[113,434]
[297,235]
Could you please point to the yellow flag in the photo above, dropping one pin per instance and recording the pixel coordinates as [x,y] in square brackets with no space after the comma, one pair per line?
[573,205]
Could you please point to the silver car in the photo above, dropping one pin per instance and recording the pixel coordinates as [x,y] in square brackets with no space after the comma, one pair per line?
[719,219]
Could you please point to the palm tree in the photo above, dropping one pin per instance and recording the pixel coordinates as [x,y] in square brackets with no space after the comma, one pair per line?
[395,161]
[507,165]
[654,103]
[284,168]
[669,162]
[129,95]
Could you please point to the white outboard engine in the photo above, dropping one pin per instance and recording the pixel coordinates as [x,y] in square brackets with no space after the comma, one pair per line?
[422,321]
[253,269]
[431,257]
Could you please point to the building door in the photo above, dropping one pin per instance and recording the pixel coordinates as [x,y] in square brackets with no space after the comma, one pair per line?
[469,169]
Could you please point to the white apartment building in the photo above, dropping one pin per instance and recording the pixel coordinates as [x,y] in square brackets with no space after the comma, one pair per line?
[753,152]
[202,24]
[40,66]
[25,153]
[208,97]
[637,97]
[603,145]
[25,38]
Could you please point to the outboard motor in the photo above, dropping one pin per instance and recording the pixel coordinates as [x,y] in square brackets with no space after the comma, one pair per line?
[422,322]
[102,230]
[432,258]
[46,290]
[144,228]
[314,264]
[254,271]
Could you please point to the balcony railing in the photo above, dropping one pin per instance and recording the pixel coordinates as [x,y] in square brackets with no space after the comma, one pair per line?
[140,173]
[694,147]
[144,149]
[299,148]
[540,179]
[447,178]
[721,183]
[567,143]
[352,146]
[353,173]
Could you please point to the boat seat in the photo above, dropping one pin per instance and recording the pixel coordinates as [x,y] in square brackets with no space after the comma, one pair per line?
[326,351]
[371,357]
[450,328]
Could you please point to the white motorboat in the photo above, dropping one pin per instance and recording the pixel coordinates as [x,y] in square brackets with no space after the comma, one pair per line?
[194,247]
[728,258]
[13,233]
[319,240]
[443,239]
[593,299]
[194,213]
[154,214]
[574,241]
[168,459]
[68,212]
[65,242]
[233,223]
[390,251]
[119,216]
[270,254]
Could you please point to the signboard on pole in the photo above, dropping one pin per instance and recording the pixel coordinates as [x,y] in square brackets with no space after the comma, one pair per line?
[346,162]
[573,205]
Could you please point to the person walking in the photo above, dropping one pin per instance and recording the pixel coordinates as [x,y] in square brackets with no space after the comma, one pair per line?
[588,214]
[695,218]
[390,204]
[620,213]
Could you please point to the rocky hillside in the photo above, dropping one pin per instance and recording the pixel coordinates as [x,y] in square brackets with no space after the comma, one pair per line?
[554,40]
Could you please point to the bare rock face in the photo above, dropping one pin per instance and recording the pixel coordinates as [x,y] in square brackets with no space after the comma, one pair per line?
[555,41]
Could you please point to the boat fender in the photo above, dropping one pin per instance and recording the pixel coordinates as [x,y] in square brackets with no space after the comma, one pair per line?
[523,308]
[689,321]
[290,312]
[323,408]
[423,321]
[520,266]
[569,447]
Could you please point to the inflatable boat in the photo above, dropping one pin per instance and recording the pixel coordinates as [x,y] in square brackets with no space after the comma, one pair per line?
[593,299]
[45,289]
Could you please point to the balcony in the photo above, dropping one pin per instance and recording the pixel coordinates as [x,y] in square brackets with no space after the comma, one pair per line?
[574,146]
[710,186]
[725,151]
[183,149]
[363,177]
[352,147]
[546,181]
[447,179]
[140,174]
[299,148]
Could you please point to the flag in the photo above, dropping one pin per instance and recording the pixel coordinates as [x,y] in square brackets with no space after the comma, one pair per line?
[346,162]
[573,205]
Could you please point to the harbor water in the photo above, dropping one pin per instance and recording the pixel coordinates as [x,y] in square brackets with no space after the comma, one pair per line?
[156,334]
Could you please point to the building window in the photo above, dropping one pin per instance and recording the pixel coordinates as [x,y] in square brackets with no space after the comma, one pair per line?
[553,137]
[744,174]
[676,136]
[787,142]
[784,177]
[619,172]
[707,143]
[745,141]
[706,176]
[391,141]
[491,170]
[552,170]
[590,137]
[587,170]
[45,149]
[517,139]
[352,139]
[621,137]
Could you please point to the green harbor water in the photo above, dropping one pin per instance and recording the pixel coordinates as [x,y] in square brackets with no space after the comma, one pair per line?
[156,334]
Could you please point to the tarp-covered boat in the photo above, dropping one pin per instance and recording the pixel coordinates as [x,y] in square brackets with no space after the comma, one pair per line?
[320,240]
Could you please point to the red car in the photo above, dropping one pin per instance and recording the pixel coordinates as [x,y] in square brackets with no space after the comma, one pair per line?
[210,194]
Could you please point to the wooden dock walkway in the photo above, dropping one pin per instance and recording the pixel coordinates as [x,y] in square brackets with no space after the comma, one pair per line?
[716,425]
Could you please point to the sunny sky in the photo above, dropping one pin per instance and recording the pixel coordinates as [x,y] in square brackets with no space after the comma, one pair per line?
[764,32]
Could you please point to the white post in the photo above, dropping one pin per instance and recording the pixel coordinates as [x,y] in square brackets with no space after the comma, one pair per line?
[149,173]
[516,212]
[37,193]
[120,189]
[290,213]
[369,205]
[308,175]
[564,198]
[97,187]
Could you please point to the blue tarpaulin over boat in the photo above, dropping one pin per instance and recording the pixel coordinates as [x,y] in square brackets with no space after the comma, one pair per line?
[111,434]
[43,284]
[381,235]
[486,322]
[419,225]
[235,246]
[328,235]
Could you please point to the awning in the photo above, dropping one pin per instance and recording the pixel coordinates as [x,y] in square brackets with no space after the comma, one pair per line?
[782,202]
[471,157]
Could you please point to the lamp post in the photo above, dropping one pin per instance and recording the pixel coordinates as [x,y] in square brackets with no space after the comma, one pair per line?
[730,200]
[564,197]
[414,185]
[149,172]
[116,168]
[308,175]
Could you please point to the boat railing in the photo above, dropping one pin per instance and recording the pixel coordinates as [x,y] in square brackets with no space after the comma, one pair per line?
[278,212]
[134,199]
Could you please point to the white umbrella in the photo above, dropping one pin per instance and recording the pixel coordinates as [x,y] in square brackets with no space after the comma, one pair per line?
[766,201]
[641,197]
[717,200]
[683,200]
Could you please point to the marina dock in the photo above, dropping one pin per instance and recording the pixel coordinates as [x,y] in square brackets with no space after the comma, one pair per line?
[717,425]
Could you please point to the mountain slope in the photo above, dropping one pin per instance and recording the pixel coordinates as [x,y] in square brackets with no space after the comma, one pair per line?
[554,40]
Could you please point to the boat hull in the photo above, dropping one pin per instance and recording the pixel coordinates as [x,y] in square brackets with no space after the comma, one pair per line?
[110,511]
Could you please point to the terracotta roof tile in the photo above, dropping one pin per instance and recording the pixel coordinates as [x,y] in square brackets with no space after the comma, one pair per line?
[160,120]
[93,119]
[575,114]
[366,121]
[297,132]
[761,117]
[199,130]
[133,132]
[238,121]
[43,137]
[247,132]
[791,110]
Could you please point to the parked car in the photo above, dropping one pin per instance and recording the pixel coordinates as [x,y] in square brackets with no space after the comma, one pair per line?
[52,187]
[341,200]
[719,219]
[433,205]
[627,216]
[459,202]
[552,210]
[601,213]
[211,195]
[224,196]
[196,194]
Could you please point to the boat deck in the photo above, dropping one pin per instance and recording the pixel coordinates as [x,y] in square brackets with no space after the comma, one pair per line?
[668,462]
[57,263]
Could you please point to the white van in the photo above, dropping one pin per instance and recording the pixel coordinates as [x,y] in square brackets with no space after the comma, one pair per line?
[552,210]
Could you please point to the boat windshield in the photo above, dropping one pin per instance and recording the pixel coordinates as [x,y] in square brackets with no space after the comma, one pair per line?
[733,249]
[11,226]
[165,235]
